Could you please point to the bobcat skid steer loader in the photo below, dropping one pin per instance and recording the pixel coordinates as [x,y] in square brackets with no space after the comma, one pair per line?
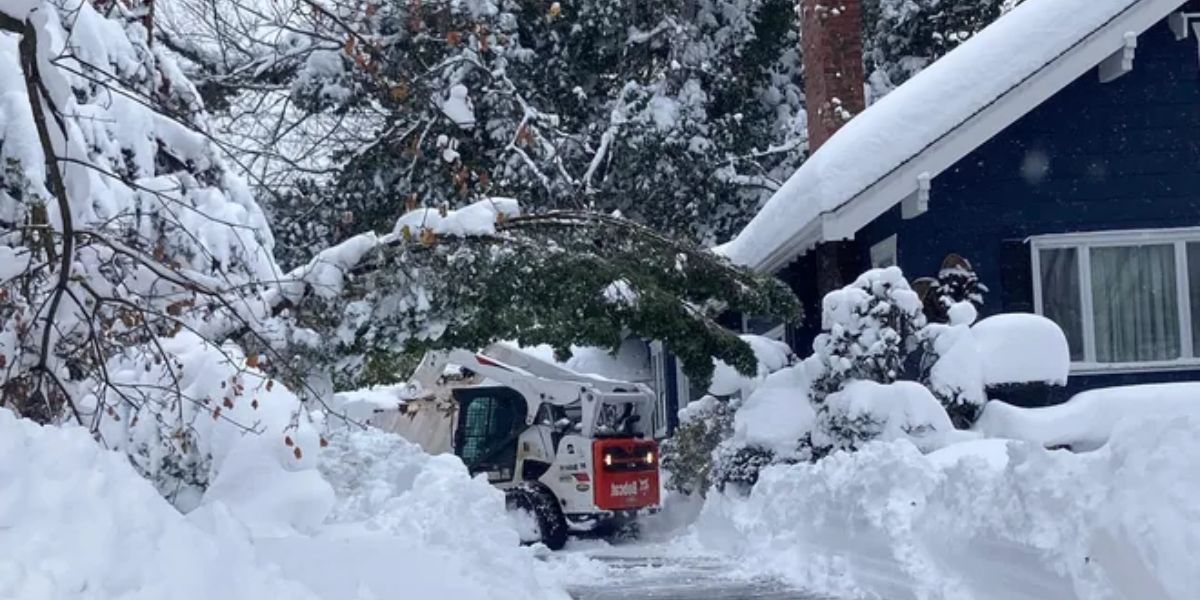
[571,451]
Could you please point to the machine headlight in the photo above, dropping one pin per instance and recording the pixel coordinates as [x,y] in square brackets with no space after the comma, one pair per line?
[608,460]
[650,457]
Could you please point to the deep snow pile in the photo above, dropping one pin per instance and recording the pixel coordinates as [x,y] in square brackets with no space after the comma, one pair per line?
[405,520]
[229,416]
[986,519]
[76,522]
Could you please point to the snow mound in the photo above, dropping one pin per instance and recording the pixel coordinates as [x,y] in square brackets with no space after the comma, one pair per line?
[76,522]
[1021,348]
[228,411]
[986,520]
[1088,419]
[777,414]
[406,520]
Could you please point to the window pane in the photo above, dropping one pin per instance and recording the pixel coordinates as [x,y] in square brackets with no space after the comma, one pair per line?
[1193,254]
[1060,294]
[1135,302]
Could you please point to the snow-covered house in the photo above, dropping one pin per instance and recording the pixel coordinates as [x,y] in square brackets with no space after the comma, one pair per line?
[1058,150]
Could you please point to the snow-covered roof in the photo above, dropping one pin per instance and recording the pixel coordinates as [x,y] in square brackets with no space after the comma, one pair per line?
[890,151]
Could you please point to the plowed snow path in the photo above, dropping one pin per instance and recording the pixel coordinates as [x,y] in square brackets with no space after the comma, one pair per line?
[654,572]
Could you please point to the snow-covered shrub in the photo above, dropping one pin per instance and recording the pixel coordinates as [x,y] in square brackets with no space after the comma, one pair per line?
[772,355]
[699,453]
[956,282]
[688,455]
[953,365]
[1022,348]
[870,330]
[736,466]
[771,426]
[180,418]
[864,411]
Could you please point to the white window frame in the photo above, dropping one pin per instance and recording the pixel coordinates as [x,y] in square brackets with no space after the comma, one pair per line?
[1083,243]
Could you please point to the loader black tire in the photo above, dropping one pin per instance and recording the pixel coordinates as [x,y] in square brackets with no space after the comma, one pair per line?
[538,501]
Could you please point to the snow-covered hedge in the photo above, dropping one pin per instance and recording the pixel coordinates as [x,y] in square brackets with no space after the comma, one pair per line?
[1087,420]
[882,371]
[1022,348]
[982,520]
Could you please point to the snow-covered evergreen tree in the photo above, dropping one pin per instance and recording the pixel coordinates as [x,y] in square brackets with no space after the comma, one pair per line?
[871,334]
[901,37]
[681,115]
[870,329]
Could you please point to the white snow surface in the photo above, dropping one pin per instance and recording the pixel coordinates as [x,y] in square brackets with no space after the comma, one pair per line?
[407,521]
[631,363]
[981,520]
[1088,420]
[1021,348]
[772,355]
[478,218]
[777,414]
[458,107]
[928,106]
[900,410]
[77,523]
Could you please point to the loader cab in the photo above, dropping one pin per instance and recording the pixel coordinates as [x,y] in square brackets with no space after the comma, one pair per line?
[490,419]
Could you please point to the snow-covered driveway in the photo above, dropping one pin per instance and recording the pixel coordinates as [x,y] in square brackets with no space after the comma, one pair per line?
[663,572]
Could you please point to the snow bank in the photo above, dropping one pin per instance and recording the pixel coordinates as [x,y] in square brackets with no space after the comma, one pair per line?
[405,520]
[76,522]
[1021,348]
[1087,420]
[987,520]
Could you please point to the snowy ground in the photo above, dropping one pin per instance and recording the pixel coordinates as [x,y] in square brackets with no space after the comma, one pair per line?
[666,571]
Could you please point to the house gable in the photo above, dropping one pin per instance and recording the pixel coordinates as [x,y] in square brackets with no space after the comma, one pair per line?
[897,148]
[1123,155]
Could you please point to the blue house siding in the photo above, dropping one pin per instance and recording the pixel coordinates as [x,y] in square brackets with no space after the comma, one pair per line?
[1121,155]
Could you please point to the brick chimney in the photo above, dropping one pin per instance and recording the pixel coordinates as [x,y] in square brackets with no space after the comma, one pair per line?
[831,39]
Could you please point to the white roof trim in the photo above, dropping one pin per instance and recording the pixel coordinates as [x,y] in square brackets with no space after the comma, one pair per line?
[875,199]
